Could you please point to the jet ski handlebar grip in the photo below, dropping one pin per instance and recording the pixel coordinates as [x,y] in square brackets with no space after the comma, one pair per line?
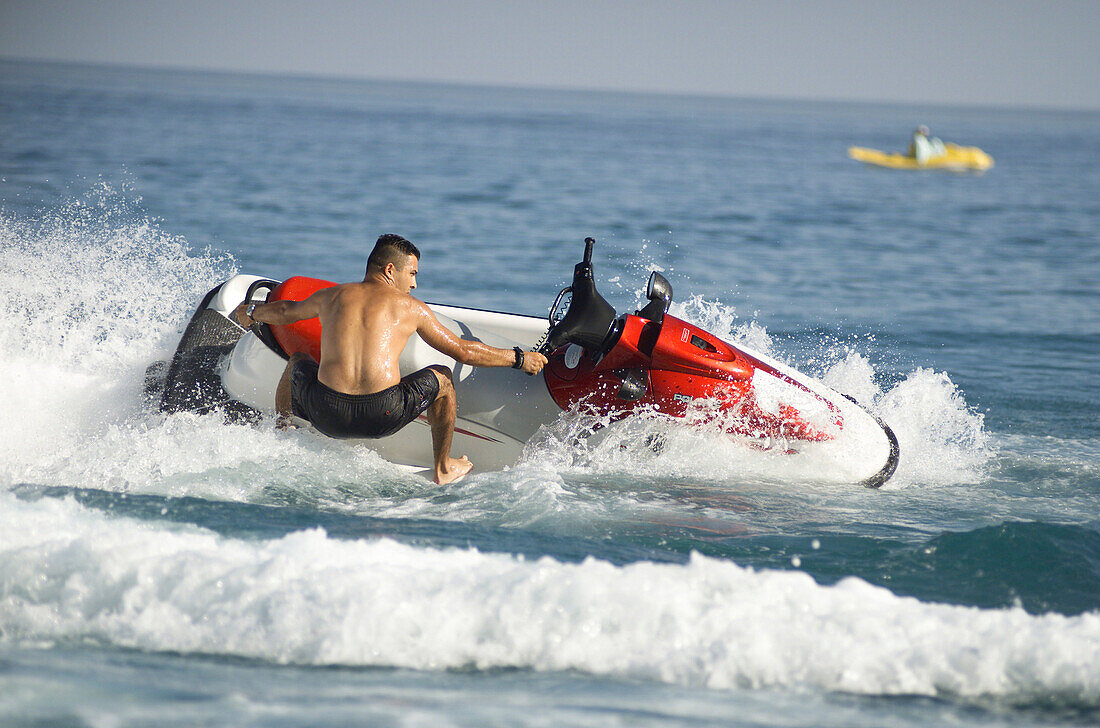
[588,243]
[257,285]
[262,330]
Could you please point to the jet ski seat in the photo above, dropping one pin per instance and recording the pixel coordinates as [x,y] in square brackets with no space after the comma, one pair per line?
[303,336]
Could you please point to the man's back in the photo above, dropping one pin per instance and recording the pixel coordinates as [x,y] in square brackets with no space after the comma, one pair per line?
[364,328]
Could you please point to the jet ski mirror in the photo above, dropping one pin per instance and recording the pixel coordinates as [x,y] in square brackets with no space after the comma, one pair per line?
[659,292]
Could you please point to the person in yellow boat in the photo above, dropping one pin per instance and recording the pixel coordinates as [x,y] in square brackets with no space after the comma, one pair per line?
[924,147]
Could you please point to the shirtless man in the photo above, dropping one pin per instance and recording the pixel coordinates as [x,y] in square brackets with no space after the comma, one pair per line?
[356,389]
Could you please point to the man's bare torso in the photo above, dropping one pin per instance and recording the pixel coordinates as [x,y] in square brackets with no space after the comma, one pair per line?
[364,328]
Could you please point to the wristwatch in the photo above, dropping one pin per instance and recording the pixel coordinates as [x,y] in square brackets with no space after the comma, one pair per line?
[251,309]
[519,358]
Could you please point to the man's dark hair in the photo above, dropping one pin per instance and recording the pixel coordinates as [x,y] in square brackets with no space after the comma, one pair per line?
[391,248]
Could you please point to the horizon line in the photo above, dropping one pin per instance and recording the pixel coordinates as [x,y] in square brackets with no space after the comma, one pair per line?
[343,77]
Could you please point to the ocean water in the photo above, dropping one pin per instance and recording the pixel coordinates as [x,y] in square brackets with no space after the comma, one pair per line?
[176,570]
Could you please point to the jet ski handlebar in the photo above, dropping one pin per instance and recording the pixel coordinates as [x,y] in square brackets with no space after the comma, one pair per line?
[590,321]
[589,243]
[260,329]
[589,317]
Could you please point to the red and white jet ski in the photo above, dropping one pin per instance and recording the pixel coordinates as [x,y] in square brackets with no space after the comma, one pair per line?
[615,365]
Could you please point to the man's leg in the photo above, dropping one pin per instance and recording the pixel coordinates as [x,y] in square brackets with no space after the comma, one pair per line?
[282,393]
[441,415]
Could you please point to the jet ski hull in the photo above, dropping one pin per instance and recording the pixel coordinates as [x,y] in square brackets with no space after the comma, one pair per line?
[762,403]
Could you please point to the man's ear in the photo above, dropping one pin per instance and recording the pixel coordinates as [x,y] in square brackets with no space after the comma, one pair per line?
[389,270]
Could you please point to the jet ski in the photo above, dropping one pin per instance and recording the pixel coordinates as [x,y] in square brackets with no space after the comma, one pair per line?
[955,158]
[612,364]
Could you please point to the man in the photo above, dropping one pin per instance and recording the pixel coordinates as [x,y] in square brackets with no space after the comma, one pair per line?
[356,389]
[923,147]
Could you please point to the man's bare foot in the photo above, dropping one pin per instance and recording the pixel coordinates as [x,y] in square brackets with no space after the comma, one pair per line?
[456,469]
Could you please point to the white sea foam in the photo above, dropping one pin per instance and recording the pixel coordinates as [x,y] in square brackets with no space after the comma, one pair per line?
[96,285]
[89,296]
[69,573]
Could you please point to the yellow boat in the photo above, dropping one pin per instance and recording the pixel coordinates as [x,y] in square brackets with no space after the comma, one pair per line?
[958,159]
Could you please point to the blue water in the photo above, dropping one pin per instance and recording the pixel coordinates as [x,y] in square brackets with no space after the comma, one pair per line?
[176,570]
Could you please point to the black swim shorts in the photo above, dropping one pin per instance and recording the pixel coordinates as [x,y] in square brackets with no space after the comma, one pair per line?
[360,415]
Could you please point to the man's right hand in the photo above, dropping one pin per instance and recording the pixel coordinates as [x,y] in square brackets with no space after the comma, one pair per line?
[241,315]
[533,362]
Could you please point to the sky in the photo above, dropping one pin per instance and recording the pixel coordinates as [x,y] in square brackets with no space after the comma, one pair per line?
[972,52]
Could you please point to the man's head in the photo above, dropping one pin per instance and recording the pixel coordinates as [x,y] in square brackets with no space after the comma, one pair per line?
[395,259]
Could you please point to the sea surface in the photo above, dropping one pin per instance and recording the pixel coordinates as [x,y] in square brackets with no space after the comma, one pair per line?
[176,570]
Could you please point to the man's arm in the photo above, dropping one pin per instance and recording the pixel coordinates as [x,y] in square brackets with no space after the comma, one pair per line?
[282,312]
[474,353]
